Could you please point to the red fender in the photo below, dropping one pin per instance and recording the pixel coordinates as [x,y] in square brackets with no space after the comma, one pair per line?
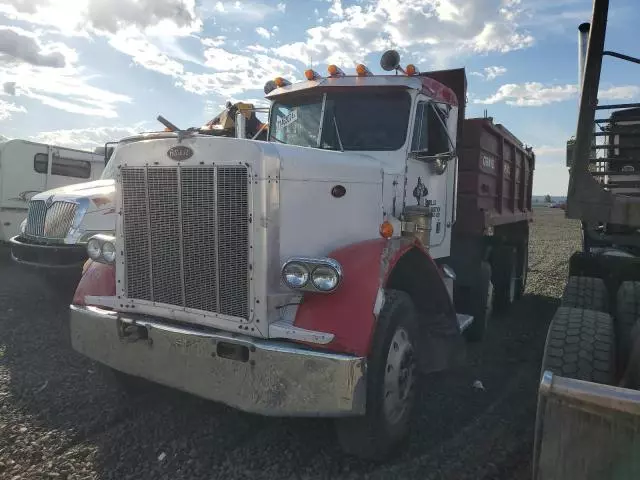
[348,313]
[99,280]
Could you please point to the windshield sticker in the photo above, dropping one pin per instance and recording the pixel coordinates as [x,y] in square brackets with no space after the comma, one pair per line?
[287,120]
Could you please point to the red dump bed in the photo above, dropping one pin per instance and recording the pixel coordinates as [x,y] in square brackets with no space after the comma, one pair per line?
[495,174]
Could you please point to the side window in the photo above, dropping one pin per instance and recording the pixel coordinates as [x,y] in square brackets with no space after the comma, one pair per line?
[68,167]
[438,138]
[430,133]
[65,167]
[40,161]
[420,142]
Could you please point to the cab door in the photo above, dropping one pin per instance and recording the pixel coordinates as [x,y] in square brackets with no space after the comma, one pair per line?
[431,168]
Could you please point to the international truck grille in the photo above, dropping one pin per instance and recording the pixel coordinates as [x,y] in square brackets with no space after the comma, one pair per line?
[49,223]
[186,237]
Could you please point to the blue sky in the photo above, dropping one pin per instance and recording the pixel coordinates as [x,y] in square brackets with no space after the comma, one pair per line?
[84,72]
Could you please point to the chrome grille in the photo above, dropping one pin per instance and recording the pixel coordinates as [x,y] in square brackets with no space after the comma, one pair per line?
[50,223]
[186,233]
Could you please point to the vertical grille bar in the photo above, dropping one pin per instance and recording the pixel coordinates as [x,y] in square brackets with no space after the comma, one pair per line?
[233,244]
[165,236]
[136,233]
[199,230]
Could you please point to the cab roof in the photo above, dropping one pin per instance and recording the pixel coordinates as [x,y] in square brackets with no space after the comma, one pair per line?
[426,85]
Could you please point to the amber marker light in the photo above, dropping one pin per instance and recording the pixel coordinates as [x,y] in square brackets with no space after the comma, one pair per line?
[411,70]
[363,71]
[386,230]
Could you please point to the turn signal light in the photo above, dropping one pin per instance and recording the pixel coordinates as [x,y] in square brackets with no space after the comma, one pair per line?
[386,230]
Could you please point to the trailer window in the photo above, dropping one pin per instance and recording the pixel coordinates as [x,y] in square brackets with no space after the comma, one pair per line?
[429,132]
[65,167]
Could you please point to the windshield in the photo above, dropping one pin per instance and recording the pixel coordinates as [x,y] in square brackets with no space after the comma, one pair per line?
[350,121]
[109,172]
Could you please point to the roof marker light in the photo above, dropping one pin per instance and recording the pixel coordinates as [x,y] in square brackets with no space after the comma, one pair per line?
[311,74]
[363,71]
[282,82]
[334,71]
[412,70]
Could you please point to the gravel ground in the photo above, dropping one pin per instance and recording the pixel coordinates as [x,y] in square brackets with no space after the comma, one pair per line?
[61,415]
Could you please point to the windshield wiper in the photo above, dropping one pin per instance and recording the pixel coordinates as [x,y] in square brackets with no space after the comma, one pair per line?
[335,123]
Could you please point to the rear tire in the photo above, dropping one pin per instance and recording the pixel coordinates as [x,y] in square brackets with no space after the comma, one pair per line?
[627,314]
[481,304]
[505,277]
[586,292]
[523,268]
[391,379]
[581,345]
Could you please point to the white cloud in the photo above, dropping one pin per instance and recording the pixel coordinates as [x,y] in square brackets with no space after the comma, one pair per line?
[263,32]
[535,94]
[623,92]
[7,109]
[87,138]
[139,47]
[530,94]
[235,73]
[275,29]
[245,12]
[452,27]
[490,73]
[67,89]
[281,7]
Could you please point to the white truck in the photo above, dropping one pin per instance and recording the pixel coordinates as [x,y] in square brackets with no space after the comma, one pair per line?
[28,168]
[309,275]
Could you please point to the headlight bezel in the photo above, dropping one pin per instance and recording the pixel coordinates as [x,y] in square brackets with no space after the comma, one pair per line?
[311,265]
[100,240]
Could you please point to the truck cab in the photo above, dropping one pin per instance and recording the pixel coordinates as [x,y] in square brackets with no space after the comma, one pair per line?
[308,275]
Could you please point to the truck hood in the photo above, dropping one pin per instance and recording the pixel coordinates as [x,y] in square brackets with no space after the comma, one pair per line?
[98,188]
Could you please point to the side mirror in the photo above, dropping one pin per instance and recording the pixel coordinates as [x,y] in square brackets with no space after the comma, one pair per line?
[438,162]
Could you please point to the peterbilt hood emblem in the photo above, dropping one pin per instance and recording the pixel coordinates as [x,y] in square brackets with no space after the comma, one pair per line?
[179,153]
[48,202]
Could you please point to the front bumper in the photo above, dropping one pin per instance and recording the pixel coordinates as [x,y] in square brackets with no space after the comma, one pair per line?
[250,374]
[50,256]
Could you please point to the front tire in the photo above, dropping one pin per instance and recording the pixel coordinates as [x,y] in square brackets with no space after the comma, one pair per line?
[391,384]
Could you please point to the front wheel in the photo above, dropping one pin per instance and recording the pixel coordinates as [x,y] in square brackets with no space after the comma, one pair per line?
[391,384]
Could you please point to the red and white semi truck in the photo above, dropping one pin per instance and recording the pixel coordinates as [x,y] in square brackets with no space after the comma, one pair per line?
[315,273]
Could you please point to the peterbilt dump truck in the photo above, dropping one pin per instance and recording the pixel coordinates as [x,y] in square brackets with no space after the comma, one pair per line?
[588,418]
[314,274]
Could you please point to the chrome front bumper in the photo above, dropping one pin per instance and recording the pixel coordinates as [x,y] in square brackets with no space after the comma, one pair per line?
[254,375]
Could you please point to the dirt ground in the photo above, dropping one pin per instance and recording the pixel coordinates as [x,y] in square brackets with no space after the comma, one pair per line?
[61,416]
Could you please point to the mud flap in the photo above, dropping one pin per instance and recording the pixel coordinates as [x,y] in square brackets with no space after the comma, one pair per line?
[443,347]
[586,431]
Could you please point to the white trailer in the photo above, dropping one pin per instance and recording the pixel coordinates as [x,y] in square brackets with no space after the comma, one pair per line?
[28,168]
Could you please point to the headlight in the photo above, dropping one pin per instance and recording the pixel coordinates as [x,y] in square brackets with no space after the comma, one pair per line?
[94,248]
[102,248]
[109,252]
[325,278]
[295,275]
[321,275]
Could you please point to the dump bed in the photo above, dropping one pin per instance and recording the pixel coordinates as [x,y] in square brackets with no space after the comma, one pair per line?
[495,174]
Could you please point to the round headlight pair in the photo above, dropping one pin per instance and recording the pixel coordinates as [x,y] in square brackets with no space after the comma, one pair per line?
[101,249]
[323,277]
